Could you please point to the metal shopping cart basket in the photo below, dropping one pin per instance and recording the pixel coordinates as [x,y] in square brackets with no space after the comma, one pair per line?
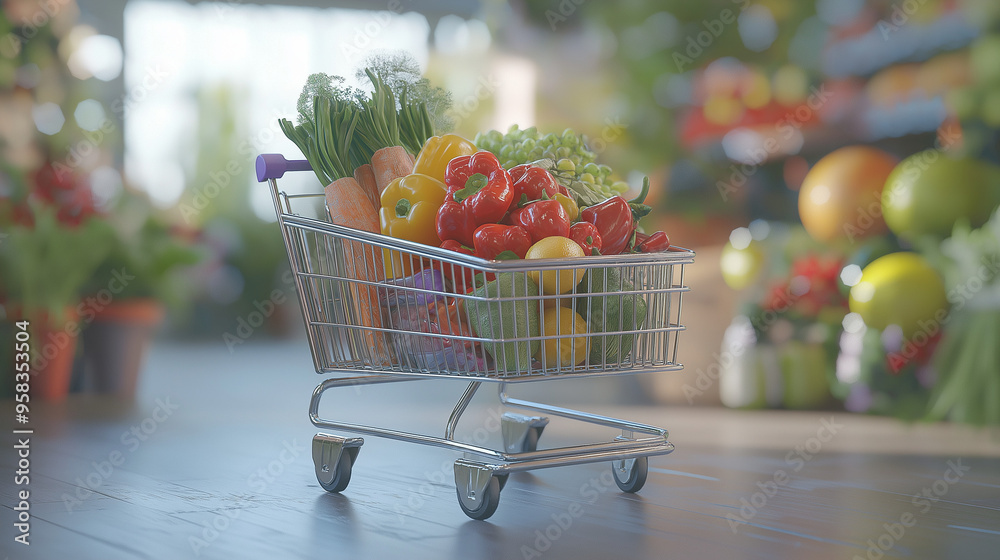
[364,329]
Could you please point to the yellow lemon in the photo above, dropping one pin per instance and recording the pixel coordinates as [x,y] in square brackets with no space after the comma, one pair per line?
[567,350]
[554,282]
[900,289]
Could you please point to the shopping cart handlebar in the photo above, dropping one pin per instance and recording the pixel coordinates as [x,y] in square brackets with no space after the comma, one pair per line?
[274,166]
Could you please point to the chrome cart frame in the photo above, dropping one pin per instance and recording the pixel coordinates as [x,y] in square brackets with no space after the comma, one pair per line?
[338,286]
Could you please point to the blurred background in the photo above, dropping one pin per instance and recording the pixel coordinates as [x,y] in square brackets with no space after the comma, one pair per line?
[128,132]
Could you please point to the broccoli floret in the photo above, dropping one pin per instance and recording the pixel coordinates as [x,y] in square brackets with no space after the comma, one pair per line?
[401,72]
[327,86]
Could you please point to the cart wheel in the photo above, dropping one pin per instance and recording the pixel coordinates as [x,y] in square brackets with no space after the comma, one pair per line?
[342,476]
[333,457]
[503,479]
[630,474]
[487,504]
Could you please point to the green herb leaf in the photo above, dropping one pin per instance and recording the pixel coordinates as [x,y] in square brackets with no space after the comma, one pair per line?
[507,256]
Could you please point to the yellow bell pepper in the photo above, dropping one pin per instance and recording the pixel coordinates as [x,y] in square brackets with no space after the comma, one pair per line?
[409,209]
[569,205]
[438,151]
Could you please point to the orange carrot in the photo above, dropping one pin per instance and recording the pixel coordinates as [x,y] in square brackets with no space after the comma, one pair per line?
[366,178]
[349,206]
[391,163]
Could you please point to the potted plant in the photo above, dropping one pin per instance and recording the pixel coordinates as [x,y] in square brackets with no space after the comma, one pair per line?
[124,302]
[54,240]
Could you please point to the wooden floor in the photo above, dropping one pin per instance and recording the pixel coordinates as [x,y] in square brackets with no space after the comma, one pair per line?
[228,474]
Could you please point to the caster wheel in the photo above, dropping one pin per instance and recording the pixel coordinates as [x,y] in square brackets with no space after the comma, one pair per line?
[342,475]
[485,505]
[630,474]
[530,444]
[333,457]
[521,433]
[531,440]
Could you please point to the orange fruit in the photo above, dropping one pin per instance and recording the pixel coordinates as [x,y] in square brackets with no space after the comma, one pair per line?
[841,196]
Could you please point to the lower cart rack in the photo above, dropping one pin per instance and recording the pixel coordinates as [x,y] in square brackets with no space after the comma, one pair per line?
[365,329]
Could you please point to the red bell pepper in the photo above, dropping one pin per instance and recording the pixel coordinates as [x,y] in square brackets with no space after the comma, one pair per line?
[479,192]
[587,237]
[493,239]
[530,181]
[651,243]
[615,219]
[541,219]
[459,276]
[490,240]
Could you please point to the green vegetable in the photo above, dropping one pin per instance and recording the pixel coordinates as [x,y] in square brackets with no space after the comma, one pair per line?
[340,127]
[968,358]
[566,156]
[400,72]
[513,318]
[325,86]
[610,313]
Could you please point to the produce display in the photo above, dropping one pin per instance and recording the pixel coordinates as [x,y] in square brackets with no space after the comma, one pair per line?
[391,168]
[890,300]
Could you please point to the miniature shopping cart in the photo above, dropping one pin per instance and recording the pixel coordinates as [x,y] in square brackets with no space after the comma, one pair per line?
[364,329]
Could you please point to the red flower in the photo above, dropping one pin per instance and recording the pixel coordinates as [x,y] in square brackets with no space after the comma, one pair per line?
[779,298]
[69,193]
[47,178]
[911,352]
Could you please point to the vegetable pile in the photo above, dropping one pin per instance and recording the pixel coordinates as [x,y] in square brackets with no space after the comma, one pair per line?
[391,168]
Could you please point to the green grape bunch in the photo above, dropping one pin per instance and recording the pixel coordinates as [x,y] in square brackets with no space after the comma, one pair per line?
[574,164]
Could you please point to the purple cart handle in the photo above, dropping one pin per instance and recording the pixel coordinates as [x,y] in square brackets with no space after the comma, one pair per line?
[273,166]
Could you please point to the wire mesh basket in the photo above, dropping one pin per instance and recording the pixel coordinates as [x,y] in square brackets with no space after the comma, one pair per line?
[421,325]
